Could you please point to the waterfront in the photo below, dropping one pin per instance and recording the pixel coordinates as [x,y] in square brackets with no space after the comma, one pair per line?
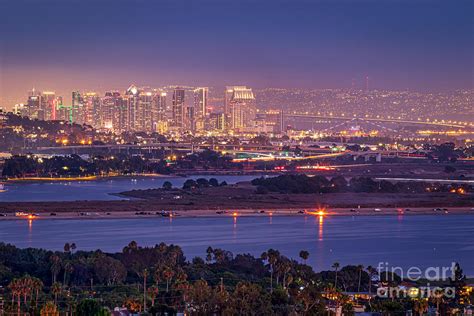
[421,241]
[100,189]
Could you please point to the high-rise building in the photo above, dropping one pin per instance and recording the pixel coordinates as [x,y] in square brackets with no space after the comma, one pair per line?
[91,110]
[241,108]
[144,111]
[159,119]
[115,112]
[178,108]
[48,105]
[77,108]
[42,106]
[109,111]
[33,104]
[122,114]
[132,97]
[217,121]
[200,107]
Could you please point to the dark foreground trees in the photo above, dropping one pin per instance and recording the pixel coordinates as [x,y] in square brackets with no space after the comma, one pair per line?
[160,280]
[303,184]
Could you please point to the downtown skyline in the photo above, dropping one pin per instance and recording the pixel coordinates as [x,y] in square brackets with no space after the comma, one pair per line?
[399,45]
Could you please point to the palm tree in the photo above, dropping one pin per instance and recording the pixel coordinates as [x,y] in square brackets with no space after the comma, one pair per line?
[168,275]
[49,309]
[55,261]
[26,285]
[157,276]
[335,266]
[285,269]
[360,268]
[68,269]
[437,298]
[56,290]
[272,257]
[372,271]
[145,276]
[153,293]
[420,306]
[304,255]
[37,286]
[67,248]
[209,252]
[15,288]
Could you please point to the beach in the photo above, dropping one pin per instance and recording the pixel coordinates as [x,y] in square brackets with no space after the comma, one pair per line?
[325,212]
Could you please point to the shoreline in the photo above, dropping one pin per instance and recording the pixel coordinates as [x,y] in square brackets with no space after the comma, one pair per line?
[231,213]
[88,178]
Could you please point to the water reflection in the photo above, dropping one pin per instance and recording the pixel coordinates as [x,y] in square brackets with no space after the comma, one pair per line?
[320,228]
[234,228]
[349,240]
[30,232]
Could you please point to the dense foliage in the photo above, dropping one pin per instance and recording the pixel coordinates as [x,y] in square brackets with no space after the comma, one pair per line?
[159,279]
[19,166]
[300,183]
[74,165]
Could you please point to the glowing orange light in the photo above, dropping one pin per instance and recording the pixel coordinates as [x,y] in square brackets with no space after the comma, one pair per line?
[271,214]
[235,214]
[319,212]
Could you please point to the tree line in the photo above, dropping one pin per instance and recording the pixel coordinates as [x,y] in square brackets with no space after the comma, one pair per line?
[157,280]
[301,183]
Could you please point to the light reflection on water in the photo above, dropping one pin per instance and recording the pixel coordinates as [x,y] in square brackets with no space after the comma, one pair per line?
[423,241]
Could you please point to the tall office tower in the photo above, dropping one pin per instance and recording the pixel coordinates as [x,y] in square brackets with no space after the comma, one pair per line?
[189,123]
[241,107]
[108,110]
[159,119]
[200,107]
[177,120]
[133,98]
[112,111]
[77,108]
[144,115]
[33,104]
[91,109]
[48,105]
[217,121]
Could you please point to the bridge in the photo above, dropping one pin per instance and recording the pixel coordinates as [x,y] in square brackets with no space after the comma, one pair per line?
[382,120]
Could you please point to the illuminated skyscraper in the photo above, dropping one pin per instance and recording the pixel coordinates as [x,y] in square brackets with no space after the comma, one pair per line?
[77,107]
[132,97]
[109,111]
[178,108]
[91,110]
[217,121]
[48,105]
[159,119]
[144,112]
[200,107]
[241,108]
[33,110]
